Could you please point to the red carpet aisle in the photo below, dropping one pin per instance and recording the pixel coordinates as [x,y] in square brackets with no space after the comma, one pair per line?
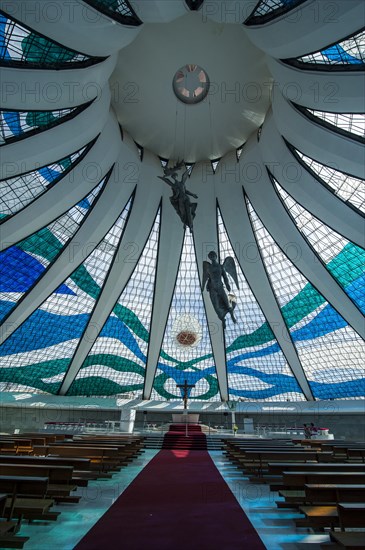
[179,501]
[181,437]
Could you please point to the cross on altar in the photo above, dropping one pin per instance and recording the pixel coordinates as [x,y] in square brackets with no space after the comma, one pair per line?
[185,387]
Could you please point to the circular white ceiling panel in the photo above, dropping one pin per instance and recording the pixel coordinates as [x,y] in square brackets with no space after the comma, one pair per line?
[235,104]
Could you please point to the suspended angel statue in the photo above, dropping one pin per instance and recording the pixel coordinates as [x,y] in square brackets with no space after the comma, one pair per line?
[213,273]
[179,199]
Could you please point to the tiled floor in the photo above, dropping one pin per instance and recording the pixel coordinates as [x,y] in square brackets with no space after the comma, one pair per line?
[276,527]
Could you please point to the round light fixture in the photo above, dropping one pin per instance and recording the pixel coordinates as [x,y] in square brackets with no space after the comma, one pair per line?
[191,84]
[186,331]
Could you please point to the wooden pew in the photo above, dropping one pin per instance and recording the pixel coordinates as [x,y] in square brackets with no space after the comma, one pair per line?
[297,479]
[101,458]
[280,467]
[334,493]
[60,478]
[256,460]
[350,516]
[344,514]
[8,529]
[27,497]
[275,471]
[81,466]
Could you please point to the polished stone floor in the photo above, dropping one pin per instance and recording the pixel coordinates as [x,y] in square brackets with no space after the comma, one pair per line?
[275,527]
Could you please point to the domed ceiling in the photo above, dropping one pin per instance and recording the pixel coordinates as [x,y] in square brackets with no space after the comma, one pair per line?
[114,190]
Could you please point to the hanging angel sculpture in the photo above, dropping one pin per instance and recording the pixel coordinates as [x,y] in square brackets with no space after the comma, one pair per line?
[179,198]
[214,275]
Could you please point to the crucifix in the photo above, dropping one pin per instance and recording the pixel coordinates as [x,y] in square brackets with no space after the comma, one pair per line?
[185,387]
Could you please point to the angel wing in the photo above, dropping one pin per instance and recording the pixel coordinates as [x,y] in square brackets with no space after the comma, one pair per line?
[184,176]
[230,266]
[206,273]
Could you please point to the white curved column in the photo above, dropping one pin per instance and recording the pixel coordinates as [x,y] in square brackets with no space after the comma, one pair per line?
[73,187]
[136,231]
[308,27]
[60,141]
[159,11]
[72,24]
[226,11]
[168,260]
[284,231]
[317,141]
[47,89]
[202,182]
[336,91]
[91,232]
[234,212]
[305,189]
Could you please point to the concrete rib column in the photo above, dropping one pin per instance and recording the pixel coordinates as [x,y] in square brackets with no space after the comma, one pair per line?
[48,89]
[317,141]
[168,261]
[62,140]
[93,230]
[136,231]
[159,11]
[305,189]
[202,182]
[283,231]
[68,191]
[336,91]
[239,229]
[308,27]
[72,24]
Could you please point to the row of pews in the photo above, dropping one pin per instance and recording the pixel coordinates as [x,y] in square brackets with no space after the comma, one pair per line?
[38,471]
[322,480]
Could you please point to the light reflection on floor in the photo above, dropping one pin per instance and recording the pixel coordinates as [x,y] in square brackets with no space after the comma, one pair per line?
[75,520]
[275,526]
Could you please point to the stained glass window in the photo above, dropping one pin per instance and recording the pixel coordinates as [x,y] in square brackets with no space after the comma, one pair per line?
[51,334]
[328,348]
[16,125]
[186,349]
[18,192]
[344,260]
[256,366]
[120,10]
[117,361]
[349,52]
[20,46]
[23,264]
[348,188]
[350,124]
[266,10]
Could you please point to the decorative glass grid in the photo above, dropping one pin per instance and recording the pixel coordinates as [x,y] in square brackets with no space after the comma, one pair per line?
[344,260]
[350,52]
[266,10]
[22,46]
[121,10]
[351,123]
[348,188]
[195,364]
[23,264]
[256,366]
[51,334]
[17,125]
[117,361]
[16,193]
[328,348]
